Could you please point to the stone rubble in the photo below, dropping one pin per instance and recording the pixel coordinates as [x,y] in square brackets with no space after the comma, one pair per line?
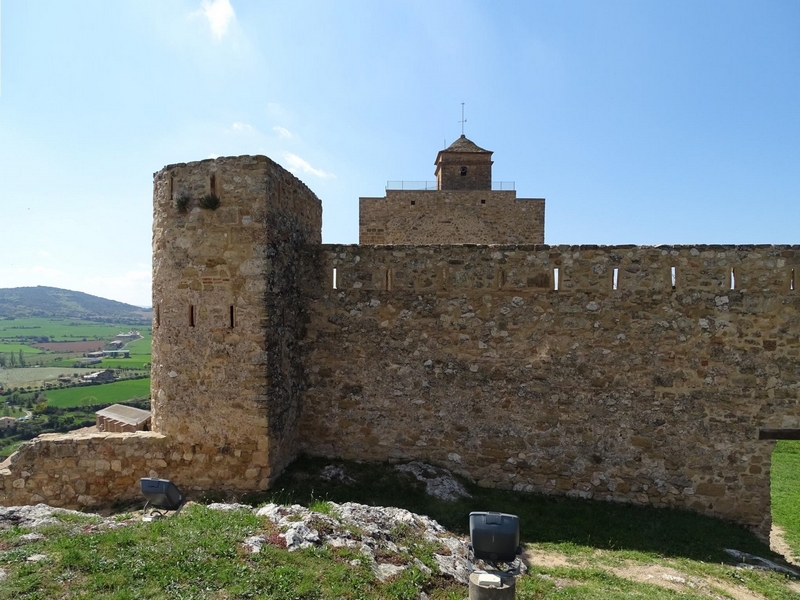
[439,483]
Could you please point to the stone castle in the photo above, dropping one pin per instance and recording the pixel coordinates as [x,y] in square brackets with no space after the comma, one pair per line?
[655,375]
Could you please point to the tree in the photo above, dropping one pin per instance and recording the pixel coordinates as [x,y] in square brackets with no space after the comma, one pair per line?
[21,358]
[2,360]
[13,359]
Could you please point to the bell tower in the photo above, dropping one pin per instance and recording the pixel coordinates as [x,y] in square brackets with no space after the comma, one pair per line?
[464,166]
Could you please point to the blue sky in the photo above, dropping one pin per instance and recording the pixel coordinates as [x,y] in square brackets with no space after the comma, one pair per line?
[639,121]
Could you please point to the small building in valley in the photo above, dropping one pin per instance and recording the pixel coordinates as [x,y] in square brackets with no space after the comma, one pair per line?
[100,376]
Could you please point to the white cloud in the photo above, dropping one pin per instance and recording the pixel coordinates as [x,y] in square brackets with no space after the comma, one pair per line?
[283,132]
[47,272]
[133,287]
[239,126]
[219,14]
[298,164]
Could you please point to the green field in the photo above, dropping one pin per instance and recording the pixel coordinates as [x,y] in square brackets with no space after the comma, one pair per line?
[134,362]
[141,347]
[63,330]
[15,348]
[119,391]
[15,334]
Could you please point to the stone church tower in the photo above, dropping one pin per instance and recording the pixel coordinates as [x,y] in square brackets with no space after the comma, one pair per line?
[463,206]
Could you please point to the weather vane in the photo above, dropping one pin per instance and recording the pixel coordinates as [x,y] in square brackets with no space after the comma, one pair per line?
[463,120]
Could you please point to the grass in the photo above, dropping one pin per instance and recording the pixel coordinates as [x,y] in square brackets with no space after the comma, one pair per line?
[199,554]
[134,362]
[63,330]
[118,391]
[786,491]
[15,348]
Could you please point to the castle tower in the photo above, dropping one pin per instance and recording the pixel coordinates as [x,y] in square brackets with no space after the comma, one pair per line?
[464,166]
[229,312]
[464,206]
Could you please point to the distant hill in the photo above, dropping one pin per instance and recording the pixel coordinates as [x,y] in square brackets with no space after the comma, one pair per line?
[49,302]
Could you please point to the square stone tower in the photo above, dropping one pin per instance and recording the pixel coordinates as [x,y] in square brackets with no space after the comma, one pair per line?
[231,238]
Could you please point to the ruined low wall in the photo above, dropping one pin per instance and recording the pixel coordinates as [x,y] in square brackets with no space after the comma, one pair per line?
[644,378]
[98,469]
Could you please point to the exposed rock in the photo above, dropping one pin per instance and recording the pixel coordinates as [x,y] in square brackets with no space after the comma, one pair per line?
[228,507]
[376,532]
[439,483]
[752,561]
[337,473]
[36,558]
[31,516]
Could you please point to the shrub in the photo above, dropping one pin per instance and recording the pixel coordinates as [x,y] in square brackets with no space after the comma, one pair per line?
[210,202]
[182,201]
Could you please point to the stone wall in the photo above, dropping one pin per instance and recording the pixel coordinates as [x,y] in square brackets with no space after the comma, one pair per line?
[227,372]
[98,469]
[646,393]
[451,217]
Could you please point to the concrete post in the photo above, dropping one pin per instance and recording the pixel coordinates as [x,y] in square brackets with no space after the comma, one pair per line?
[485,586]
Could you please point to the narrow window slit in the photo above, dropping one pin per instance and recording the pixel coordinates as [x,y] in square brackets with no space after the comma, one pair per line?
[171,186]
[388,280]
[232,315]
[501,278]
[483,201]
[555,279]
[191,315]
[158,315]
[413,202]
[615,279]
[674,277]
[792,282]
[213,184]
[733,278]
[335,281]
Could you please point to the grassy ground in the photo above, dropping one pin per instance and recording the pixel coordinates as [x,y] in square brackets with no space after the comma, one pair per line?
[15,348]
[134,362]
[62,330]
[786,491]
[591,547]
[118,391]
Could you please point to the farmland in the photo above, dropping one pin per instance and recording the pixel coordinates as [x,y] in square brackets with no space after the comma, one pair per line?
[36,376]
[62,344]
[59,330]
[108,393]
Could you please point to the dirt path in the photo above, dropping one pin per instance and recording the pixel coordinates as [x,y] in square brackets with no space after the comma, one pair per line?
[778,544]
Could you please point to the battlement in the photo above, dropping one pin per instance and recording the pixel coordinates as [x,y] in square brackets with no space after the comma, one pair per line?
[600,270]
